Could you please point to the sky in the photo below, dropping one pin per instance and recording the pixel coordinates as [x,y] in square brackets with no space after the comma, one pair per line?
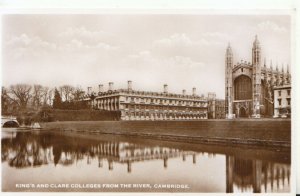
[181,50]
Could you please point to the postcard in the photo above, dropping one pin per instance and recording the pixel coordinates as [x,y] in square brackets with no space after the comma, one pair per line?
[147,102]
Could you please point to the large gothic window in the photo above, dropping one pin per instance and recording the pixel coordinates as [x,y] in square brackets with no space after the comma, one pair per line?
[242,88]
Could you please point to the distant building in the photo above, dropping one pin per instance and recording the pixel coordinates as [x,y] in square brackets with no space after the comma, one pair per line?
[142,105]
[216,107]
[249,85]
[220,109]
[282,101]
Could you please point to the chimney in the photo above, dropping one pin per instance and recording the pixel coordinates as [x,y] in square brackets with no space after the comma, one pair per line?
[183,92]
[89,90]
[194,91]
[211,96]
[101,90]
[165,88]
[110,86]
[129,85]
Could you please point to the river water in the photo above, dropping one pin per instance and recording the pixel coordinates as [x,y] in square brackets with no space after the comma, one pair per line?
[67,161]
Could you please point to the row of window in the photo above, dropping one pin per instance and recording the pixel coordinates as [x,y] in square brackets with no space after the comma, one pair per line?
[162,101]
[153,107]
[288,93]
[108,106]
[147,114]
[288,100]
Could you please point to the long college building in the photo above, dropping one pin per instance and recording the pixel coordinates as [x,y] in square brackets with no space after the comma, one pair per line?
[142,105]
[249,86]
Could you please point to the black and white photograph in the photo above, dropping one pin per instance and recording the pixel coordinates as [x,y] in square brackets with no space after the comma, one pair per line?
[147,102]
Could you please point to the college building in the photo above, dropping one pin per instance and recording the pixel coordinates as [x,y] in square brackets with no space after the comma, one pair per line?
[143,105]
[250,87]
[282,101]
[216,107]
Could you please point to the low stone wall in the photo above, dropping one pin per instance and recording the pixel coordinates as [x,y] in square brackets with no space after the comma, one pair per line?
[77,115]
[267,132]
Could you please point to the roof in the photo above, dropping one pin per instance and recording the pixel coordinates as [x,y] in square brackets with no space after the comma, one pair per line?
[149,93]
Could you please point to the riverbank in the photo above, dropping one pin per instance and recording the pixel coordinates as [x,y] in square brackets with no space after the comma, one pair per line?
[260,132]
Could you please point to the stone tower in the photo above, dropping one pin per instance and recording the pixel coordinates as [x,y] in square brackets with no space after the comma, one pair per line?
[256,78]
[228,81]
[249,85]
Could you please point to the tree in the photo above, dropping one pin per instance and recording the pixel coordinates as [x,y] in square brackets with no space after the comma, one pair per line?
[49,96]
[37,95]
[46,96]
[66,92]
[57,102]
[78,94]
[20,94]
[6,102]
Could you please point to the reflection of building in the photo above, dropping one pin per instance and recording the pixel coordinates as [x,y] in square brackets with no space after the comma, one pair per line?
[216,107]
[248,90]
[142,105]
[28,149]
[255,175]
[282,101]
[127,153]
[64,152]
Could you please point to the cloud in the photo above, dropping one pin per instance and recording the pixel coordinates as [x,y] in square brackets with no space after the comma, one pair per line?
[24,41]
[83,33]
[71,39]
[89,38]
[81,38]
[182,40]
[155,70]
[23,46]
[26,47]
[78,45]
[205,47]
[268,25]
[174,40]
[150,62]
[217,36]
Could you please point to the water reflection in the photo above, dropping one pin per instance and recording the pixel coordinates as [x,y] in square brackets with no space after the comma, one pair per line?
[35,149]
[255,175]
[27,149]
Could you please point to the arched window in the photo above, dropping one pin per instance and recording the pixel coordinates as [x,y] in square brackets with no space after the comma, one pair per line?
[242,88]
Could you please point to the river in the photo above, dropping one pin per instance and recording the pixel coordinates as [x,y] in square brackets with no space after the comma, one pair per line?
[68,161]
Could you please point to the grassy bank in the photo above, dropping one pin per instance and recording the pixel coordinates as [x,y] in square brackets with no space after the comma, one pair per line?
[268,132]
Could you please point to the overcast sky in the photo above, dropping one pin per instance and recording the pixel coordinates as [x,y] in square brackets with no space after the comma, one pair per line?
[184,51]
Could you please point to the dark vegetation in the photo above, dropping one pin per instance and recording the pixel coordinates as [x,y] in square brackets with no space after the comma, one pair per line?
[39,103]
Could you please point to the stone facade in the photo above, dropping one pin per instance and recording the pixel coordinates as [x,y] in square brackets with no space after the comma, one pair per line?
[220,109]
[249,85]
[282,101]
[216,107]
[142,105]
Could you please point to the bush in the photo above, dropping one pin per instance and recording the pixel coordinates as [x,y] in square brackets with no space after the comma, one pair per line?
[24,119]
